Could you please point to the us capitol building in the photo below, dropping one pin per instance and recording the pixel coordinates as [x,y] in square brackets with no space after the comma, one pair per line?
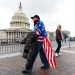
[19,27]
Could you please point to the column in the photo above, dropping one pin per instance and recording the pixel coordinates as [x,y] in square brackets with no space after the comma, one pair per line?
[8,36]
[12,37]
[20,34]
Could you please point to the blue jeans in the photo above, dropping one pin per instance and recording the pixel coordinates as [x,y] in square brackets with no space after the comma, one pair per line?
[39,49]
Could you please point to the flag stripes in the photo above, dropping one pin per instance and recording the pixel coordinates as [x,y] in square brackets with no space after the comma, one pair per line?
[49,52]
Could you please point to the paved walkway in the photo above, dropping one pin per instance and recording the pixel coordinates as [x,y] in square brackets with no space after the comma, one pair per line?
[15,65]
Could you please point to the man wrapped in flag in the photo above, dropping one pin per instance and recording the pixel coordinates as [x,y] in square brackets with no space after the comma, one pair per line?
[43,46]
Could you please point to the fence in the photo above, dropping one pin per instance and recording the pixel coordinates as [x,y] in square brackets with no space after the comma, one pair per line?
[15,46]
[10,47]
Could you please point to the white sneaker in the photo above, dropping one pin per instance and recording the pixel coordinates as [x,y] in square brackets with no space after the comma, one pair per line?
[56,54]
[59,54]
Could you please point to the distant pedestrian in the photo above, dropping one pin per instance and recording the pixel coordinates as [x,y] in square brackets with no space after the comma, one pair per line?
[58,40]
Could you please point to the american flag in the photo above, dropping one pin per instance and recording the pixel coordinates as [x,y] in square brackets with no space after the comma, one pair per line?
[49,52]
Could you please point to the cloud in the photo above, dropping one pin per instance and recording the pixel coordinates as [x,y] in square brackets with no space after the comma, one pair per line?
[33,6]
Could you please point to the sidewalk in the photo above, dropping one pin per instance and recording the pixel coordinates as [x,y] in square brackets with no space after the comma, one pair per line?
[15,65]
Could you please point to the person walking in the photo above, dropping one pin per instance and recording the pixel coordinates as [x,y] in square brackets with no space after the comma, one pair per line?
[39,29]
[58,40]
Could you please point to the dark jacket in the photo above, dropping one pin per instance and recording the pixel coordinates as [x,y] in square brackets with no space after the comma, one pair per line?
[29,41]
[58,35]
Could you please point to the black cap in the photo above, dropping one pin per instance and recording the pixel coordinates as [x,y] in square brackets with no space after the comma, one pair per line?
[35,16]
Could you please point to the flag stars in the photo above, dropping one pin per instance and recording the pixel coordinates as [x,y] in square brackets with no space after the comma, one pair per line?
[39,24]
[42,29]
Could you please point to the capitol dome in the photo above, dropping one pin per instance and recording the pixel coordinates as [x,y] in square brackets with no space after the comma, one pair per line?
[20,20]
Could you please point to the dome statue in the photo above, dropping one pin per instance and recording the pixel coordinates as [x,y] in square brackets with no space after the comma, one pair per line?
[20,20]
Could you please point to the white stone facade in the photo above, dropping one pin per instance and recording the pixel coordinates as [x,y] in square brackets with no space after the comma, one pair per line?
[19,19]
[19,27]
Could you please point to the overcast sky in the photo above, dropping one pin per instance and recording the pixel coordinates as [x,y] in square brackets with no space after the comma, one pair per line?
[52,12]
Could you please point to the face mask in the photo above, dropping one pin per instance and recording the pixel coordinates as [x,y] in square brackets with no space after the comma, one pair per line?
[35,22]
